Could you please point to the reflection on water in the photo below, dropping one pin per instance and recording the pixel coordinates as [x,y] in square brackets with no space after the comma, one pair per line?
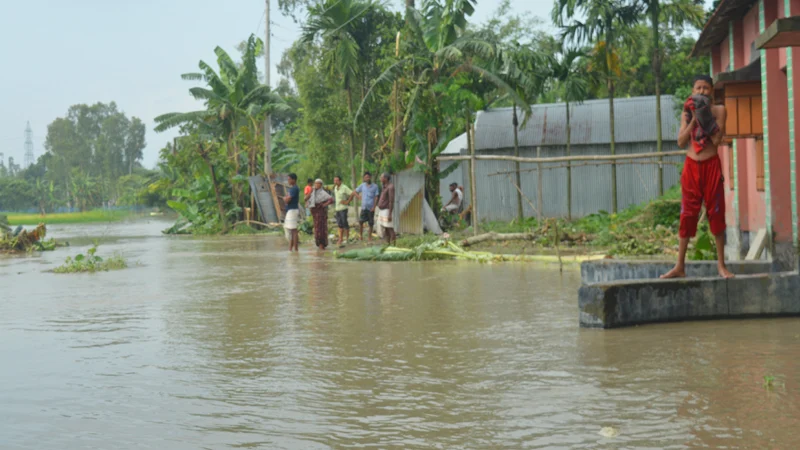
[232,342]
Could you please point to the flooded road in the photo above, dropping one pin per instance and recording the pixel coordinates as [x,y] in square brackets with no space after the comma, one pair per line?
[219,343]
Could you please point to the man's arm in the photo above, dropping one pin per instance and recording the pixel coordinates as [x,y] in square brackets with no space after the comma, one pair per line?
[685,133]
[721,116]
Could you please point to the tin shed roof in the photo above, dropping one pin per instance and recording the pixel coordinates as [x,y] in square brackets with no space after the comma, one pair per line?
[635,120]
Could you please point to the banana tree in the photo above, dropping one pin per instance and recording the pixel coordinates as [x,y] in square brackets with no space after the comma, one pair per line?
[234,99]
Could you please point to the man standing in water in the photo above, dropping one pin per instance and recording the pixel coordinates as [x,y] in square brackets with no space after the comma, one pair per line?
[290,222]
[702,127]
[368,193]
[386,208]
[342,195]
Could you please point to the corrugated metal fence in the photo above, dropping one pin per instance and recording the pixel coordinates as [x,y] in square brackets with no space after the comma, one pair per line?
[591,184]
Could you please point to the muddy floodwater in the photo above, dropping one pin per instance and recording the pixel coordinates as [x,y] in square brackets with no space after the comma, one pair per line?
[215,343]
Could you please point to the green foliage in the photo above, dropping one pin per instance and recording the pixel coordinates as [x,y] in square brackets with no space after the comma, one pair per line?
[91,262]
[88,151]
[15,194]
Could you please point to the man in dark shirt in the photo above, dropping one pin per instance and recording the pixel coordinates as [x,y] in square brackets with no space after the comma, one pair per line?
[292,219]
[386,207]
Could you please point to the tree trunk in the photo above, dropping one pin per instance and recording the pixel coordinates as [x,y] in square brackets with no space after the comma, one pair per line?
[539,188]
[569,168]
[610,80]
[352,137]
[364,141]
[657,74]
[515,121]
[222,217]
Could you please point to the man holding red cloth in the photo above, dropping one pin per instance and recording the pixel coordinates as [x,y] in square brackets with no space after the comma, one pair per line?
[702,125]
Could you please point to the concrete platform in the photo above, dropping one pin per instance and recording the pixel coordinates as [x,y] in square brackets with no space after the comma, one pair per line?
[625,293]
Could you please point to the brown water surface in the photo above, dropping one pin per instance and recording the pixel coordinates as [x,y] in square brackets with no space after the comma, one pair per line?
[221,343]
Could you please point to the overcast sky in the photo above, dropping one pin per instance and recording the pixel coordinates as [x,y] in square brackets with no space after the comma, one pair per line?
[59,53]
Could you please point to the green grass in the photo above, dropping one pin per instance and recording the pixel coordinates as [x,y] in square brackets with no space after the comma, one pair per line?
[95,216]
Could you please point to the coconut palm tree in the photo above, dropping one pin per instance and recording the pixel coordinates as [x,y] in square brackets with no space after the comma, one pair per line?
[674,14]
[526,70]
[573,84]
[605,24]
[337,22]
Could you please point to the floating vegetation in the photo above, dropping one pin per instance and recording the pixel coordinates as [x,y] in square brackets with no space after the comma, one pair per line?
[21,240]
[447,250]
[91,263]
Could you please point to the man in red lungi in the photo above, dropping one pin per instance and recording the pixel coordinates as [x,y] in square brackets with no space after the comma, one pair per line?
[703,127]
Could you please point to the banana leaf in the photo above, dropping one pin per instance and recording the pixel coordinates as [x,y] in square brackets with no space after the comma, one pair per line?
[447,250]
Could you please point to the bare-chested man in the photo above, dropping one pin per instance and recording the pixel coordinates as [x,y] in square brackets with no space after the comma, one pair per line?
[702,127]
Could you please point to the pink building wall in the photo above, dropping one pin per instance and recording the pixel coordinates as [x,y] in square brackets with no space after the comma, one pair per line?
[750,29]
[724,56]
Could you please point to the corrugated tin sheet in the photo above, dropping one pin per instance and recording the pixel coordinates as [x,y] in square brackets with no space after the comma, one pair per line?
[408,195]
[591,184]
[635,120]
[456,145]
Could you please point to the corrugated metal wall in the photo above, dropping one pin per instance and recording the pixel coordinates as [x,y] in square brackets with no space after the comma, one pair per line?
[408,196]
[591,184]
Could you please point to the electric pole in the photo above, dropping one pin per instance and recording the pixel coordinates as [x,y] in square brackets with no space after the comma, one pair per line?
[28,161]
[267,123]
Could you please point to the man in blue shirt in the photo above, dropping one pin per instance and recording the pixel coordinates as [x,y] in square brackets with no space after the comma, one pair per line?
[368,193]
[292,218]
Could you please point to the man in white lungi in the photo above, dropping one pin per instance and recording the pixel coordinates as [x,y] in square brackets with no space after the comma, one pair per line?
[292,219]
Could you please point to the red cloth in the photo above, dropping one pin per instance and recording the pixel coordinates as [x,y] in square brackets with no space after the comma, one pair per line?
[699,106]
[702,180]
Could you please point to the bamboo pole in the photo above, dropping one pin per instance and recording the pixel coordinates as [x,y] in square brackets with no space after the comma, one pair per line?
[562,158]
[473,184]
[605,163]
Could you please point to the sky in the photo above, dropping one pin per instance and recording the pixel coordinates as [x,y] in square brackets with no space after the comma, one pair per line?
[59,53]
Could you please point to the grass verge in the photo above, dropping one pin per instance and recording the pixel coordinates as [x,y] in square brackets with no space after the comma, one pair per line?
[95,216]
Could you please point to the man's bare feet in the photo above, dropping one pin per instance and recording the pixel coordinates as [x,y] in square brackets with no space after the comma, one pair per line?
[724,272]
[676,272]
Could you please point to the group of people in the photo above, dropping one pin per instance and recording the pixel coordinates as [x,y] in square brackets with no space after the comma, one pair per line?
[702,130]
[317,200]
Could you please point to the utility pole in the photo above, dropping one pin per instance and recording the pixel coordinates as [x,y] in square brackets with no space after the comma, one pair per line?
[267,122]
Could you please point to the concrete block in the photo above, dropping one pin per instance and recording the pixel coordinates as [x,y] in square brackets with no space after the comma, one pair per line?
[630,303]
[611,270]
[775,294]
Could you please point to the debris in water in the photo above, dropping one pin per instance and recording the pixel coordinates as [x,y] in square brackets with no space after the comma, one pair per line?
[609,432]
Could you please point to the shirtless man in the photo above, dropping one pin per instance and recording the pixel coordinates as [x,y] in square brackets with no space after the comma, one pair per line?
[701,180]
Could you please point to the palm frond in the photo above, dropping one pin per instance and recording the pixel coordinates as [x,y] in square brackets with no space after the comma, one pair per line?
[172,120]
[227,68]
[503,86]
[193,76]
[214,80]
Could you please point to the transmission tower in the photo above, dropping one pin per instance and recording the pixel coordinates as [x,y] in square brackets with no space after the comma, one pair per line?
[28,161]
